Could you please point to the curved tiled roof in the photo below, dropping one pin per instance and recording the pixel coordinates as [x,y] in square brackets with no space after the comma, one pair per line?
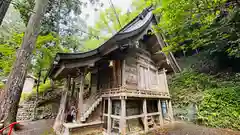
[136,26]
[131,29]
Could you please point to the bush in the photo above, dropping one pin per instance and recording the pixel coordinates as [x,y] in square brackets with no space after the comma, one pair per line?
[42,88]
[220,108]
[1,86]
[217,99]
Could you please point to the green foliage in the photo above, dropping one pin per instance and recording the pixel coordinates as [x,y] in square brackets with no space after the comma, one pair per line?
[25,96]
[217,99]
[108,25]
[8,48]
[43,87]
[1,85]
[212,25]
[187,20]
[59,12]
[220,107]
[191,83]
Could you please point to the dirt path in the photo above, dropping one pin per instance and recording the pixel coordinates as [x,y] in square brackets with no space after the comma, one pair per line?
[182,128]
[44,127]
[39,127]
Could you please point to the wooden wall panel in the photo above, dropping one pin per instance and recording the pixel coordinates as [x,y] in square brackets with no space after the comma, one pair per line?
[142,73]
[161,78]
[131,72]
[93,83]
[105,78]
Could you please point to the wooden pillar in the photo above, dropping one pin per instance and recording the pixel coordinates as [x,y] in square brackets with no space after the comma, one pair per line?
[73,89]
[123,73]
[118,73]
[148,79]
[109,121]
[158,81]
[170,112]
[160,112]
[114,84]
[165,81]
[103,108]
[123,117]
[61,112]
[98,80]
[166,101]
[80,97]
[69,79]
[145,115]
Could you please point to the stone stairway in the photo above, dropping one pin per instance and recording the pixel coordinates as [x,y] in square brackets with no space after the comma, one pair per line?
[92,106]
[25,111]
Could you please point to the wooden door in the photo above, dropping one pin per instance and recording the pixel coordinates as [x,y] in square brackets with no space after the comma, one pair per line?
[153,79]
[143,78]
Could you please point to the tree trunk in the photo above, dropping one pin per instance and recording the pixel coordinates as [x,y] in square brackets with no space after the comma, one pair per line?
[4,4]
[10,98]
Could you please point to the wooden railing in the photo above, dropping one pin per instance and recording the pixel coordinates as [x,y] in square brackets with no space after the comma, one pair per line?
[90,105]
[134,92]
[89,102]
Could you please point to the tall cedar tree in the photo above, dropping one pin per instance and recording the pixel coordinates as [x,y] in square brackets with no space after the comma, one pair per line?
[4,4]
[11,96]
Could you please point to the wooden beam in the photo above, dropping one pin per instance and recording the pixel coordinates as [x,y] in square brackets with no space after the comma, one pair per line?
[82,63]
[112,116]
[160,112]
[123,117]
[109,121]
[115,117]
[173,62]
[134,116]
[110,50]
[59,71]
[80,97]
[152,114]
[141,115]
[145,115]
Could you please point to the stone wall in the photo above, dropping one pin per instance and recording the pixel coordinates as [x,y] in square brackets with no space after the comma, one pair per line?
[48,111]
[48,105]
[25,111]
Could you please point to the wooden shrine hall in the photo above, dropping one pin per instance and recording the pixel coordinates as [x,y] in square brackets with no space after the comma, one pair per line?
[127,91]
